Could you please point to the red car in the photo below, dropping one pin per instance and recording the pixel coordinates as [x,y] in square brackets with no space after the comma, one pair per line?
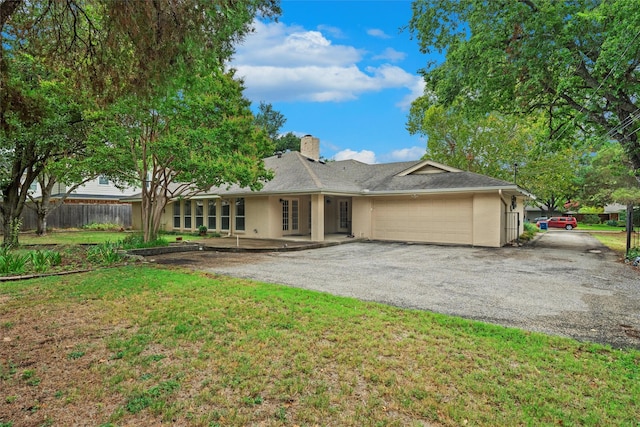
[566,222]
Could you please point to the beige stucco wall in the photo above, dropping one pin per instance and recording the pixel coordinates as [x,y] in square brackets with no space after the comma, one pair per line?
[361,217]
[465,219]
[488,214]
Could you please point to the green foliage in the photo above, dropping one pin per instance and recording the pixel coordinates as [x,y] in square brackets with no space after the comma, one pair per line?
[106,253]
[633,253]
[75,355]
[106,226]
[530,231]
[147,398]
[591,219]
[527,57]
[287,142]
[271,121]
[41,261]
[212,141]
[136,241]
[58,59]
[609,172]
[591,210]
[488,145]
[614,223]
[551,176]
[12,263]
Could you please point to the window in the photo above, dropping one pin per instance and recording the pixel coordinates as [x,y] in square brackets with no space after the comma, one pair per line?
[187,214]
[33,187]
[103,180]
[294,214]
[344,214]
[240,214]
[211,212]
[176,214]
[224,216]
[199,213]
[285,215]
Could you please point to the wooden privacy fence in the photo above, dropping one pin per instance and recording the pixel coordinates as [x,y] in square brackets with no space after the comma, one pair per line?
[74,215]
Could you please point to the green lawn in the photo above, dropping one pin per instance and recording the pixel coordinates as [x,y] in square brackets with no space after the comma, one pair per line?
[89,237]
[140,345]
[615,241]
[598,227]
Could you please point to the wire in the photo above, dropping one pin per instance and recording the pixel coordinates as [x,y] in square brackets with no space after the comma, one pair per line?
[631,117]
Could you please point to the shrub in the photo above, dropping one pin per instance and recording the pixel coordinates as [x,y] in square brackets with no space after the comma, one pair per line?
[42,260]
[591,219]
[614,223]
[94,226]
[530,231]
[136,241]
[633,253]
[12,263]
[106,253]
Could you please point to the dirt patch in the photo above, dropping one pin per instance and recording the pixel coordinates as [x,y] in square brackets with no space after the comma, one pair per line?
[204,260]
[44,355]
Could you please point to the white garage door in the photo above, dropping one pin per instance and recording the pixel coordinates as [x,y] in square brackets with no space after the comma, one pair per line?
[436,220]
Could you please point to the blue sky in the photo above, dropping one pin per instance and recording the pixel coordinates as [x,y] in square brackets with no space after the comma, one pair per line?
[342,71]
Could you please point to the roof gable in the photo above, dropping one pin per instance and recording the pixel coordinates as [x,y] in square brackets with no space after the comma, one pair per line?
[426,167]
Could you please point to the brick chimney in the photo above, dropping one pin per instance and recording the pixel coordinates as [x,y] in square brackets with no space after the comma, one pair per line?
[310,147]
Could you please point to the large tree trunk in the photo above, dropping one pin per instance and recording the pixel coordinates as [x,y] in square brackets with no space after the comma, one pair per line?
[41,226]
[11,210]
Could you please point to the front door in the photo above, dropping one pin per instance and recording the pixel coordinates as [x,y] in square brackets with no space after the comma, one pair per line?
[290,216]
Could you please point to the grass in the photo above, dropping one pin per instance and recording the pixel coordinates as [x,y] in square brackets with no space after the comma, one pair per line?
[617,241]
[598,227]
[145,346]
[614,241]
[68,237]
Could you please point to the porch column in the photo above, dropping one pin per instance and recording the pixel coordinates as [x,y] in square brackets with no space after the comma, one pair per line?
[317,217]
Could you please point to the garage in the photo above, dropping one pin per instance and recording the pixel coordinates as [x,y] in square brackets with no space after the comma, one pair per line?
[424,219]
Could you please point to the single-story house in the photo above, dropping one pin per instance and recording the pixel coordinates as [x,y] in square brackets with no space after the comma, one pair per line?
[417,201]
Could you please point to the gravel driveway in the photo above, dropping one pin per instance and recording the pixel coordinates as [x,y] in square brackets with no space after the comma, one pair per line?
[565,283]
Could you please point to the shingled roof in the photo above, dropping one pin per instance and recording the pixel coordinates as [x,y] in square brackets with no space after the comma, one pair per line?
[295,173]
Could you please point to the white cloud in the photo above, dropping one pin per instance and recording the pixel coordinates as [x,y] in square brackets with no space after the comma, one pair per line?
[364,156]
[288,63]
[405,154]
[375,32]
[417,90]
[390,54]
[292,46]
[334,31]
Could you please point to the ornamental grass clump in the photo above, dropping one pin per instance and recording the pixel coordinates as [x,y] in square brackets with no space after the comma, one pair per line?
[11,262]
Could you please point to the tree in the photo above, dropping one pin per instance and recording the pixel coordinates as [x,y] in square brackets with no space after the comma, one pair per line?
[48,126]
[608,179]
[608,171]
[489,145]
[101,50]
[287,142]
[184,141]
[576,61]
[551,177]
[272,121]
